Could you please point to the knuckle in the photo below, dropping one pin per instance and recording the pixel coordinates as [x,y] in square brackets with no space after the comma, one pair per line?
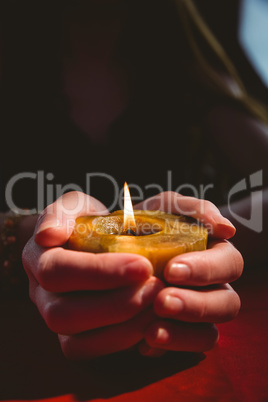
[171,194]
[211,338]
[209,205]
[202,312]
[235,305]
[238,263]
[205,275]
[53,316]
[70,195]
[42,272]
[50,209]
[77,348]
[163,200]
[202,206]
[46,266]
[68,347]
[100,265]
[208,277]
[42,216]
[72,199]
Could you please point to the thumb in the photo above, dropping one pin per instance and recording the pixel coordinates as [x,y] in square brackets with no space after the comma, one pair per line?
[56,222]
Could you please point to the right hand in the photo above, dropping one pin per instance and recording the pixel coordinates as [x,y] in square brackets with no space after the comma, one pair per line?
[96,303]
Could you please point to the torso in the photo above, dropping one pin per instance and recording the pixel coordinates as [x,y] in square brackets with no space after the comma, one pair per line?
[94,82]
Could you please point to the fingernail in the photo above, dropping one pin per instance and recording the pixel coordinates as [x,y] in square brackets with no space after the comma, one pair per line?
[224,228]
[178,273]
[228,223]
[48,225]
[225,222]
[162,336]
[221,220]
[172,305]
[228,230]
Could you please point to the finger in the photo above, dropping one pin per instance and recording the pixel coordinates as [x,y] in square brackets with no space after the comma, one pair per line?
[221,263]
[180,336]
[60,270]
[56,222]
[216,305]
[106,340]
[148,351]
[202,210]
[70,314]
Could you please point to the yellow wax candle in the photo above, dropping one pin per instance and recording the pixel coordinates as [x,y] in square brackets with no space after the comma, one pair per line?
[156,235]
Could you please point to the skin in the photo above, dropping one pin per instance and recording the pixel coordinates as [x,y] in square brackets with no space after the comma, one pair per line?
[143,311]
[103,303]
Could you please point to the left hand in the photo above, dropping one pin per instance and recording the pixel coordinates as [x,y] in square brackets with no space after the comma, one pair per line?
[199,294]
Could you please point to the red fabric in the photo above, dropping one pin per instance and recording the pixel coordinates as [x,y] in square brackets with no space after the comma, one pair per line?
[33,368]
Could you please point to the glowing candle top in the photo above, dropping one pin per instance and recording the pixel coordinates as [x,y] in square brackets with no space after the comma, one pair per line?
[129,220]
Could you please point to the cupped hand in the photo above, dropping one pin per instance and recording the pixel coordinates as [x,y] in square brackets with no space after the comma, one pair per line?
[197,294]
[96,303]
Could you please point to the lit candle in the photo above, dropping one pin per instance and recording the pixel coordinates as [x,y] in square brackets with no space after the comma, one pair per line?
[156,235]
[129,219]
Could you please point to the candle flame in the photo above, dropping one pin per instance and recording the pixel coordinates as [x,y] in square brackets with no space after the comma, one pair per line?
[129,220]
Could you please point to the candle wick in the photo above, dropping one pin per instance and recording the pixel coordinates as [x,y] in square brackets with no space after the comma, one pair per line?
[130,232]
